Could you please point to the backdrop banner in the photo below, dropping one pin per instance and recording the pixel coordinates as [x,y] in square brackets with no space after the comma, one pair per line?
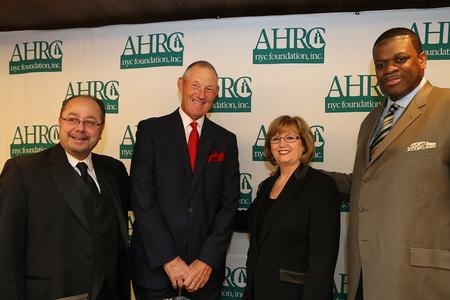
[317,66]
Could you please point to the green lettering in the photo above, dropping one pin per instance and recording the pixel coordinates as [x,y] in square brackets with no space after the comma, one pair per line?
[263,40]
[18,137]
[16,53]
[129,47]
[335,87]
[261,135]
[128,136]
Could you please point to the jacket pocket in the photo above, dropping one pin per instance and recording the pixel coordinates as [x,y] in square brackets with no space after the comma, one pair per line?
[292,276]
[431,258]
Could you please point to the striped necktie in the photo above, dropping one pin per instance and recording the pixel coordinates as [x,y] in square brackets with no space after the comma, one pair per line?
[386,126]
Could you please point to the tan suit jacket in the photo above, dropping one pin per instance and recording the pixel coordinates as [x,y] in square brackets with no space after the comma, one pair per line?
[399,229]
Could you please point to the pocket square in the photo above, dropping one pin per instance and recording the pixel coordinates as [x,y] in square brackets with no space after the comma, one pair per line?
[417,146]
[216,157]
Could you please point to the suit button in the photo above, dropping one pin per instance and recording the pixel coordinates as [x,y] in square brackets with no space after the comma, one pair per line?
[365,179]
[190,210]
[89,255]
[183,241]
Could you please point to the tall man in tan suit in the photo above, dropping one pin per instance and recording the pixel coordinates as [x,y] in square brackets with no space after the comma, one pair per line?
[399,231]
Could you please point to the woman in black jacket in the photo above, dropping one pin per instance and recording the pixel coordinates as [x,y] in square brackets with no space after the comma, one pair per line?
[294,222]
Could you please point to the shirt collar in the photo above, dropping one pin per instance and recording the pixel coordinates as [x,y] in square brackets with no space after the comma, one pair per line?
[187,121]
[403,102]
[74,161]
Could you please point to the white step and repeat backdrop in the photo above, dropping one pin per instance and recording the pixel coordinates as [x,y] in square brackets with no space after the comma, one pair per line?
[317,66]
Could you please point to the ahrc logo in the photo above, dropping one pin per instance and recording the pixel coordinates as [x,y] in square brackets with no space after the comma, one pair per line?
[235,95]
[319,143]
[37,56]
[290,45]
[33,138]
[246,191]
[435,37]
[359,93]
[128,140]
[153,50]
[234,284]
[258,147]
[107,92]
[340,291]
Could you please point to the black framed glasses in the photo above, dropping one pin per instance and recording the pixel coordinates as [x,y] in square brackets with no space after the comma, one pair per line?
[290,138]
[72,121]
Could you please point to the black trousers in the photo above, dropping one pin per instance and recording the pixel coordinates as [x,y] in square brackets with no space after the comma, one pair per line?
[142,293]
[105,294]
[108,293]
[359,292]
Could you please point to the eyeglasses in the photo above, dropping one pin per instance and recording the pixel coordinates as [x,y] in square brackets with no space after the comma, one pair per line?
[75,122]
[288,139]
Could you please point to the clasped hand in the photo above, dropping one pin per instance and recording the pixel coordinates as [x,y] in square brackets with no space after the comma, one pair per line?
[192,277]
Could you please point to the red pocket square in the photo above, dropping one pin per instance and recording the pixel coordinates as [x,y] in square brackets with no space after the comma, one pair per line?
[216,157]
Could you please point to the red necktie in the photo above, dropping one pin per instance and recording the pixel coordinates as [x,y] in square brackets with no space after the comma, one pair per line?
[193,144]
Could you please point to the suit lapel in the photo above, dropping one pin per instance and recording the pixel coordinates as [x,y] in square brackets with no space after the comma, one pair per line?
[178,136]
[264,196]
[371,132]
[289,192]
[411,113]
[110,190]
[64,176]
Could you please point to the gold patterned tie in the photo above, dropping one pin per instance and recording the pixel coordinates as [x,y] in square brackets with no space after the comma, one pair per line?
[386,126]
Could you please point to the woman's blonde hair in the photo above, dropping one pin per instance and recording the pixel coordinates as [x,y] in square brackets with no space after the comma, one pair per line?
[300,127]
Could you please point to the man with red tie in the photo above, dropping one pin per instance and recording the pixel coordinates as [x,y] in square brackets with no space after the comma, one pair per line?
[185,191]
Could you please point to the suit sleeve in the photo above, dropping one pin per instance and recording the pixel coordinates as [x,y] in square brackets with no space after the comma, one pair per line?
[149,223]
[215,246]
[13,221]
[241,223]
[324,241]
[124,277]
[343,182]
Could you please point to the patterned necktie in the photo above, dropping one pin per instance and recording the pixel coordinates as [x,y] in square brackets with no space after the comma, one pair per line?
[193,144]
[386,126]
[86,177]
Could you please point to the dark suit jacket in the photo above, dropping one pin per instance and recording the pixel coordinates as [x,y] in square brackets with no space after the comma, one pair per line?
[179,212]
[295,254]
[45,237]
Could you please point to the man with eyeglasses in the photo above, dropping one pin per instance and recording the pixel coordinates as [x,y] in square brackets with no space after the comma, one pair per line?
[399,226]
[63,228]
[184,194]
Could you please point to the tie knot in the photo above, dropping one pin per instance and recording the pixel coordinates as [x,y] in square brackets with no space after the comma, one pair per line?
[194,125]
[83,168]
[393,108]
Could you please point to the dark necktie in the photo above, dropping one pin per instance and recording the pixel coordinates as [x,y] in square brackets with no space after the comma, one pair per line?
[193,144]
[386,126]
[86,177]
